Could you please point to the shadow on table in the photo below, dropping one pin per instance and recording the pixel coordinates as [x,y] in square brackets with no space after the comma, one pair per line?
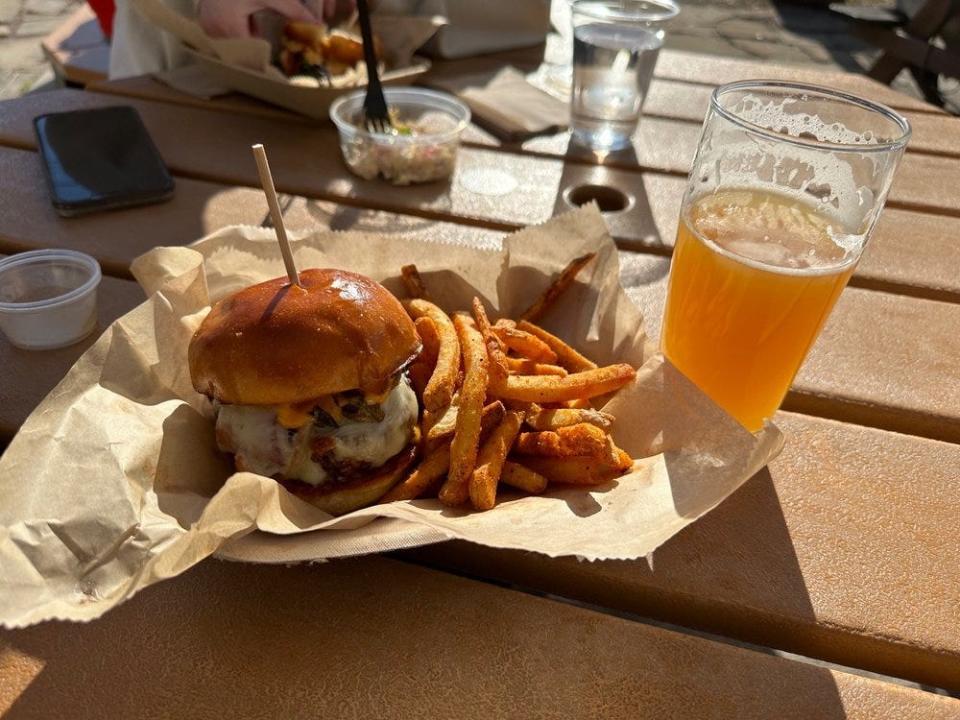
[830,30]
[116,237]
[712,577]
[621,196]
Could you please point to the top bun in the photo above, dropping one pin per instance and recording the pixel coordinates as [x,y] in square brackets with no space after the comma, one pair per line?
[275,343]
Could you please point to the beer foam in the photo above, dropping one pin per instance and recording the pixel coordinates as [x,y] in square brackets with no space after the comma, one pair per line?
[775,116]
[772,231]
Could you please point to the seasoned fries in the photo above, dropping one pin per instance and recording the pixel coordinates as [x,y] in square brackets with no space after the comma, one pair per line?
[466,438]
[549,388]
[434,465]
[430,337]
[525,344]
[445,426]
[556,288]
[490,459]
[521,478]
[413,282]
[582,439]
[523,366]
[421,369]
[437,461]
[553,418]
[572,471]
[498,360]
[440,389]
[538,426]
[566,355]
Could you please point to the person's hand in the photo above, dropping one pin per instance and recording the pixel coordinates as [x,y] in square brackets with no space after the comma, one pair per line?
[231,18]
[331,9]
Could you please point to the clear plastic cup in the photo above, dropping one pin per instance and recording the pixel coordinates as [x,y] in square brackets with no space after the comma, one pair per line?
[615,49]
[426,154]
[48,298]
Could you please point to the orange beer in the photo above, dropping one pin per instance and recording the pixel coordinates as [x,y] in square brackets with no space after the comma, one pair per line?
[755,274]
[783,194]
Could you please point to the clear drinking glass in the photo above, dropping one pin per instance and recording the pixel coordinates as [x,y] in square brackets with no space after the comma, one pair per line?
[615,48]
[785,190]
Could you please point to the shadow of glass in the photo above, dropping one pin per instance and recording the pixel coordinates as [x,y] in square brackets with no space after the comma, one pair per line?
[621,197]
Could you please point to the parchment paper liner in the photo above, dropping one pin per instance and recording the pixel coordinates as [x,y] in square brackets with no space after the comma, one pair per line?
[114,483]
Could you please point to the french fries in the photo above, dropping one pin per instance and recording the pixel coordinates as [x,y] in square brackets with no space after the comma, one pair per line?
[498,359]
[523,366]
[549,388]
[430,337]
[421,369]
[413,282]
[525,344]
[582,440]
[439,390]
[553,418]
[490,459]
[522,478]
[572,470]
[538,427]
[419,374]
[437,461]
[466,437]
[566,355]
[556,288]
[431,469]
[446,425]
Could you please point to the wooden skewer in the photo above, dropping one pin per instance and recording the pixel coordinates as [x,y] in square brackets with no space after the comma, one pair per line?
[266,180]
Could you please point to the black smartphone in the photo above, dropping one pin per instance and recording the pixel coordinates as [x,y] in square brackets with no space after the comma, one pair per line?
[100,159]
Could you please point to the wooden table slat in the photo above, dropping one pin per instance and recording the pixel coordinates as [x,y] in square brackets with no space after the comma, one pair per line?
[667,100]
[872,372]
[376,638]
[933,134]
[884,360]
[907,261]
[508,191]
[844,550]
[704,69]
[29,222]
[852,504]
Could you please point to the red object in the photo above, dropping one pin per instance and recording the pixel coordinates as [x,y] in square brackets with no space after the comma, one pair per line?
[104,10]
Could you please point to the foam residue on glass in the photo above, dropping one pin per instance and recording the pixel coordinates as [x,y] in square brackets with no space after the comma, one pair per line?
[836,181]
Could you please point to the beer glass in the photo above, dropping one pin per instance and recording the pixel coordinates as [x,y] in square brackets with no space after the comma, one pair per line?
[785,190]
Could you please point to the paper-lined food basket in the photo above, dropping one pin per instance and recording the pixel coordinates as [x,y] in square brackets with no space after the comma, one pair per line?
[115,483]
[244,64]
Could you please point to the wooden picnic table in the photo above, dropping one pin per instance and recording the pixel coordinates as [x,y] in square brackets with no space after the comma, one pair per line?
[840,560]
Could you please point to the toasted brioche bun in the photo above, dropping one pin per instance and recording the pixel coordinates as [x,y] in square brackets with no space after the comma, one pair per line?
[275,343]
[341,499]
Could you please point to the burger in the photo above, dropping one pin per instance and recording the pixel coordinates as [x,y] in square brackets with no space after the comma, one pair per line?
[308,385]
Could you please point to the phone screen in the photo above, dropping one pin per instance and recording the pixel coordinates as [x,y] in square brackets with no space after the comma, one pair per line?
[99,159]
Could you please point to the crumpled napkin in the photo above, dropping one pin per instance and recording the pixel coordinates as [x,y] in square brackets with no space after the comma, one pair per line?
[507,105]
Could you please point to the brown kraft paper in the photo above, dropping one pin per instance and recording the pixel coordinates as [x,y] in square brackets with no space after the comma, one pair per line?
[114,482]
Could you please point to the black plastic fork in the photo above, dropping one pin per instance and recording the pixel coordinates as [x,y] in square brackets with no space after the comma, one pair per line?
[376,117]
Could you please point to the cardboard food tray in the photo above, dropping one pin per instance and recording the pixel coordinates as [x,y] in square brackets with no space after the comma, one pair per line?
[313,102]
[244,64]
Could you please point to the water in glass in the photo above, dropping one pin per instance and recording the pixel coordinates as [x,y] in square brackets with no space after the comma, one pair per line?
[612,69]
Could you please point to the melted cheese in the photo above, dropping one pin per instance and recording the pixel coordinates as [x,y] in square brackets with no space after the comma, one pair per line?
[274,441]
